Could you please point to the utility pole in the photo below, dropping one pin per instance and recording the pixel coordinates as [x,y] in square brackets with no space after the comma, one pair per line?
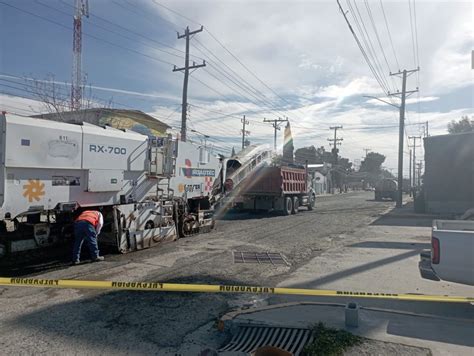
[336,141]
[186,69]
[409,166]
[426,132]
[244,132]
[414,138]
[401,130]
[276,126]
[81,9]
[367,150]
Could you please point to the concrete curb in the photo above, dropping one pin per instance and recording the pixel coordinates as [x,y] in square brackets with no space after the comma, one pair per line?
[227,321]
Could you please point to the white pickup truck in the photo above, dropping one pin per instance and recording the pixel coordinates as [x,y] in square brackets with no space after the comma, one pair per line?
[452,252]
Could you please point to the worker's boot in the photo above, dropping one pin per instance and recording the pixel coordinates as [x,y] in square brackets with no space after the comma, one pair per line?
[98,259]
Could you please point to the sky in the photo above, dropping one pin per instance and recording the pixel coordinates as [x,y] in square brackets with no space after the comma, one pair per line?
[264,59]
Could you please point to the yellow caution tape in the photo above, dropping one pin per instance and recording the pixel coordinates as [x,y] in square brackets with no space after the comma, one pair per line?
[219,288]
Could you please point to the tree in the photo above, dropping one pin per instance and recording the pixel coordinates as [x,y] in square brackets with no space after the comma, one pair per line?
[306,154]
[313,155]
[277,160]
[463,125]
[345,164]
[372,163]
[56,98]
[386,174]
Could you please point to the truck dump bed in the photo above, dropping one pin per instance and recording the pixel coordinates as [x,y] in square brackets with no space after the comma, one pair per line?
[277,181]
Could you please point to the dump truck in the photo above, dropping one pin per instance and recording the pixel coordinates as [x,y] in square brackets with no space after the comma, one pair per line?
[278,188]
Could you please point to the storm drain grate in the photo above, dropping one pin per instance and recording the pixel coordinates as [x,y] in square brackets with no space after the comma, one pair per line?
[273,258]
[250,338]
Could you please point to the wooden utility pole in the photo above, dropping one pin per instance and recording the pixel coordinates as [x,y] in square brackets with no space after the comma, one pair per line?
[186,69]
[276,126]
[367,150]
[414,138]
[409,166]
[336,142]
[401,129]
[244,132]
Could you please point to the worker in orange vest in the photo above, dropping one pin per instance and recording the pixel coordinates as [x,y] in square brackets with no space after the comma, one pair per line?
[87,227]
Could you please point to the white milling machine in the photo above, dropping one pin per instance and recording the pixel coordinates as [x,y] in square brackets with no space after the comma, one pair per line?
[148,189]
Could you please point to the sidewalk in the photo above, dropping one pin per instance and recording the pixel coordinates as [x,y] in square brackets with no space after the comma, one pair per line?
[442,336]
[383,257]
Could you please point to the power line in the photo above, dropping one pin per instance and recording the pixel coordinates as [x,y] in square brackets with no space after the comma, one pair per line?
[361,48]
[88,34]
[235,83]
[389,36]
[226,49]
[369,11]
[368,43]
[230,69]
[118,33]
[412,35]
[188,19]
[144,15]
[176,13]
[127,30]
[239,82]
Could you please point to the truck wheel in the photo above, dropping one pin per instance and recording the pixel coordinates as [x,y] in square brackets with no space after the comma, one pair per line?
[288,208]
[296,205]
[311,202]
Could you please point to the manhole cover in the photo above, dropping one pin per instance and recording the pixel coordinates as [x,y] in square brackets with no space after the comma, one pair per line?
[250,338]
[274,258]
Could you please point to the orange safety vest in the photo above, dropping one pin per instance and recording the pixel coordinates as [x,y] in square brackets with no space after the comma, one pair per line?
[91,216]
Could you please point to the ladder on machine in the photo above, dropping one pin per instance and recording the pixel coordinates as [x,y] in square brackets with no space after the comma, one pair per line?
[162,164]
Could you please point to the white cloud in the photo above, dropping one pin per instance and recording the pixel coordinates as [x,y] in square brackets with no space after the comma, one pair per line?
[450,64]
[358,86]
[412,100]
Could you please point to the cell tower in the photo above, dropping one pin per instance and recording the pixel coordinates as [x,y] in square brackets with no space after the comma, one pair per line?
[81,9]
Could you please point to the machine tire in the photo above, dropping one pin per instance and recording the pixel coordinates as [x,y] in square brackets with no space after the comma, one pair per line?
[288,207]
[296,204]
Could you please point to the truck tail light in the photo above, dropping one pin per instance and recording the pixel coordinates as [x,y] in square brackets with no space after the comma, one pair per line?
[434,251]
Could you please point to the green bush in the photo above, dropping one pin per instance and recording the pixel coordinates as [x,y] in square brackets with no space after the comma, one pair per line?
[330,342]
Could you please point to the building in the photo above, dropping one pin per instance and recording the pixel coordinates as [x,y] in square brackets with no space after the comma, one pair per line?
[134,120]
[448,181]
[321,177]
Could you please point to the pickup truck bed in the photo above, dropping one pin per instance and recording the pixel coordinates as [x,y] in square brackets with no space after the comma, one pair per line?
[452,252]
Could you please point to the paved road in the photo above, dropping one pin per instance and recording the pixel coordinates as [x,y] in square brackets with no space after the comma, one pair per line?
[70,321]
